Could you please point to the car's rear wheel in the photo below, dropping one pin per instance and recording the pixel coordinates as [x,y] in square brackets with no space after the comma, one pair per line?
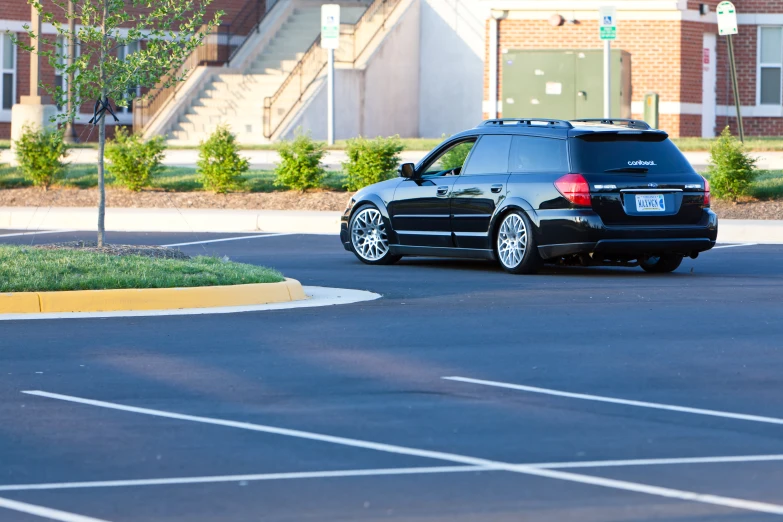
[515,246]
[660,264]
[370,238]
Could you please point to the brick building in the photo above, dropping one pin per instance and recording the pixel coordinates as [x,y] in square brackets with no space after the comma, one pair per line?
[675,52]
[15,62]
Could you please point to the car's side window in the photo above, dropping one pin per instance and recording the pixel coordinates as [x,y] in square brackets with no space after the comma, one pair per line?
[450,161]
[490,156]
[536,154]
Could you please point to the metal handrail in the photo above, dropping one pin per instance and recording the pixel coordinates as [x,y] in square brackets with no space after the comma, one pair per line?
[218,48]
[279,106]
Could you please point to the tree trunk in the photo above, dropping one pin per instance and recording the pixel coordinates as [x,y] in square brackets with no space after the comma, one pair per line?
[102,129]
[101,188]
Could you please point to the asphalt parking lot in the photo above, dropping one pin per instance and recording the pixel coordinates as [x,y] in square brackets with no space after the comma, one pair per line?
[600,394]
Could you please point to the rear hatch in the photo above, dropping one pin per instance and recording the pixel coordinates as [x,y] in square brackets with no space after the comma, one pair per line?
[638,178]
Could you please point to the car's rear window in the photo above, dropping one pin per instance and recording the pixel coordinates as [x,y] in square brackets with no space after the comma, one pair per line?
[601,152]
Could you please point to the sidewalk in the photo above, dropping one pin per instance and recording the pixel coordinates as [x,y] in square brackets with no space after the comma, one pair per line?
[279,221]
[266,159]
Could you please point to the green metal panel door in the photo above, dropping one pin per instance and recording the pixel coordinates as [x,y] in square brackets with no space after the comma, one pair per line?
[538,84]
[590,84]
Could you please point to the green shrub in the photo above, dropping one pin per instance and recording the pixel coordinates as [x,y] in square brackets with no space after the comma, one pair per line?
[134,162]
[371,161]
[300,163]
[732,169]
[39,153]
[220,167]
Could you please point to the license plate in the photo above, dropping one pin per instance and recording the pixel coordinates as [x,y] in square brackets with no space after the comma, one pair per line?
[650,203]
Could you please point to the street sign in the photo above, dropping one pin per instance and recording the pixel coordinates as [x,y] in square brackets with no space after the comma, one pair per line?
[330,26]
[607,22]
[727,18]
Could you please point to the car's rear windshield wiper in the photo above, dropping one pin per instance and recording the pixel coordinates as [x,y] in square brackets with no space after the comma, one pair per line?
[638,170]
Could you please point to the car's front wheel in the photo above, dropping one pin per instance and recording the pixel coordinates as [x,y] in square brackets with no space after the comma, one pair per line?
[370,238]
[515,246]
[660,264]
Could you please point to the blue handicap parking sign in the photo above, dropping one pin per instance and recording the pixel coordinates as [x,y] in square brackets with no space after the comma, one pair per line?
[607,20]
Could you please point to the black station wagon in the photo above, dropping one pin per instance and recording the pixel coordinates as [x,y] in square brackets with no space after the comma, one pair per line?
[529,191]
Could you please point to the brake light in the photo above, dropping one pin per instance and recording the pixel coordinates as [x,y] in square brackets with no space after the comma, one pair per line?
[706,193]
[575,189]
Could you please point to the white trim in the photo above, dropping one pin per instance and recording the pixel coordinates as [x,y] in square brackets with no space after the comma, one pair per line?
[669,107]
[751,111]
[760,18]
[17,26]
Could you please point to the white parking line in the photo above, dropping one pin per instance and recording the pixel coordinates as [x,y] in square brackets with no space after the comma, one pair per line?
[613,400]
[733,246]
[255,236]
[16,234]
[623,485]
[44,512]
[379,472]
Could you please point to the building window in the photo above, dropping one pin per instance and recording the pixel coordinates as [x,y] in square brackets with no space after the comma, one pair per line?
[770,65]
[133,92]
[7,71]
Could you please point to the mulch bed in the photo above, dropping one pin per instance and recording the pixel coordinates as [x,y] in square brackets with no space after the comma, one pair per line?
[118,250]
[121,198]
[291,200]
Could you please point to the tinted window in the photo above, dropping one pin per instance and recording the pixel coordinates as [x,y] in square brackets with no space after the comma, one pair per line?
[599,152]
[534,154]
[451,159]
[490,156]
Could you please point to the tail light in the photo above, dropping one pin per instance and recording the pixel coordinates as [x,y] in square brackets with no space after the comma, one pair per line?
[706,193]
[575,189]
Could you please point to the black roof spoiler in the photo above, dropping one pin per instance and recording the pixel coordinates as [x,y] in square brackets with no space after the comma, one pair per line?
[527,121]
[632,124]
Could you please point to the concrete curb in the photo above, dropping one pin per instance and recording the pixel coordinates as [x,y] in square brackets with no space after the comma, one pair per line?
[170,220]
[30,219]
[750,231]
[151,298]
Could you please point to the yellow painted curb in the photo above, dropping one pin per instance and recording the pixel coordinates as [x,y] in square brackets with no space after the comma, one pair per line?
[152,298]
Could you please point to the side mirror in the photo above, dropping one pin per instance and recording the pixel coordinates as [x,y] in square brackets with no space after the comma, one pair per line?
[407,171]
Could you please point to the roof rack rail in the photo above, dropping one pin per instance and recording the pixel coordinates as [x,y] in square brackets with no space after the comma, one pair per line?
[526,121]
[633,124]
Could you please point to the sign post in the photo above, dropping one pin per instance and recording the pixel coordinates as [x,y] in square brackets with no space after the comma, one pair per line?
[607,25]
[330,39]
[727,26]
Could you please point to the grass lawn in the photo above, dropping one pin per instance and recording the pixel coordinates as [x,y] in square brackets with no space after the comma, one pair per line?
[176,179]
[757,144]
[408,143]
[29,269]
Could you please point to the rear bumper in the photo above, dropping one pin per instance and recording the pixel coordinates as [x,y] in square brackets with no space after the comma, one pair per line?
[567,232]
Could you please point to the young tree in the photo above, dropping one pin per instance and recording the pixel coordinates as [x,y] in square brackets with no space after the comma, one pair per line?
[165,32]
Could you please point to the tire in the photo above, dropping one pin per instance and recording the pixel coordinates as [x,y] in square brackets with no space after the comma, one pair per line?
[515,246]
[369,237]
[661,264]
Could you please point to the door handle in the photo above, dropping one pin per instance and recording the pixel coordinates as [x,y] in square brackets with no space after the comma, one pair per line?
[496,189]
[442,191]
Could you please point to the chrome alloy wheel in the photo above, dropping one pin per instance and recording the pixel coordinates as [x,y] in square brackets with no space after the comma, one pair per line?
[512,241]
[368,235]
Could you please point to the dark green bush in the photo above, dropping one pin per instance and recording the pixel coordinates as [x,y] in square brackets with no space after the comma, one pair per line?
[732,169]
[300,163]
[39,153]
[220,167]
[134,162]
[371,161]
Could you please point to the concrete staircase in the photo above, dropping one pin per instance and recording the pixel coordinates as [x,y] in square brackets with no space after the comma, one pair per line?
[237,98]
